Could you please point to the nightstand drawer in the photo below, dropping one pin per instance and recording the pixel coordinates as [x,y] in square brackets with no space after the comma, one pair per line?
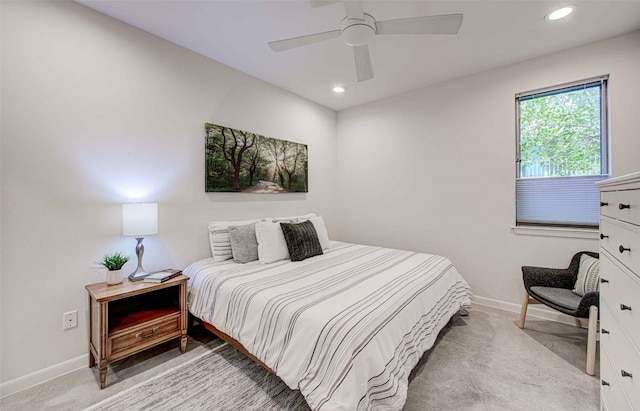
[134,316]
[147,334]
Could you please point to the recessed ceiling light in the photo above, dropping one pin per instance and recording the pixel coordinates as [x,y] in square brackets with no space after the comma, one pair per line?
[560,13]
[338,89]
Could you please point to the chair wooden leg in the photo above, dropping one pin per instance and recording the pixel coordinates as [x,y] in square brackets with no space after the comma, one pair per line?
[523,311]
[591,340]
[578,323]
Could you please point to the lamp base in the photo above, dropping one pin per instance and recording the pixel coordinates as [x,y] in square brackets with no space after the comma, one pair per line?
[138,275]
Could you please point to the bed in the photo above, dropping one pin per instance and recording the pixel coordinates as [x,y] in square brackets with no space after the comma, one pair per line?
[345,328]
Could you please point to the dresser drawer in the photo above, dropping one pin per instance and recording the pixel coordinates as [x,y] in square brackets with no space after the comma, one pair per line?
[628,205]
[609,329]
[620,296]
[609,203]
[610,388]
[622,242]
[625,361]
[147,334]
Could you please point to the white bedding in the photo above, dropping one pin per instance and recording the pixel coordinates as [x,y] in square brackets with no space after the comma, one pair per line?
[345,328]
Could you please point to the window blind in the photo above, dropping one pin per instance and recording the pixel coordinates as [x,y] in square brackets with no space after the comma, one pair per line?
[558,201]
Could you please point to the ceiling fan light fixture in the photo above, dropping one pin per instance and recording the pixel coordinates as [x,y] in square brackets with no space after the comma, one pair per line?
[358,29]
[559,13]
[356,32]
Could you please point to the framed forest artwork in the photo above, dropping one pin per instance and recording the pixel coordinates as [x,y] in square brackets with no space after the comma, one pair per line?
[244,162]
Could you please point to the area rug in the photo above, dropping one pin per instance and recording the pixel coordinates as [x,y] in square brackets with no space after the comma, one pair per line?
[222,379]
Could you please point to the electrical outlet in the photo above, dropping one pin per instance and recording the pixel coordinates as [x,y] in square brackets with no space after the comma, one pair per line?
[70,320]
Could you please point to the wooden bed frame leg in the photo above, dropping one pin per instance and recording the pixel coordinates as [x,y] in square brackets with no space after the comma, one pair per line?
[235,344]
[523,311]
[591,340]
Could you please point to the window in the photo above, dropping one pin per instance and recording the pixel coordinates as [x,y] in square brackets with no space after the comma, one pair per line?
[561,152]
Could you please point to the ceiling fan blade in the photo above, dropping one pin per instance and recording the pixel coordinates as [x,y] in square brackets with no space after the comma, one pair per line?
[444,24]
[282,45]
[321,3]
[364,71]
[354,9]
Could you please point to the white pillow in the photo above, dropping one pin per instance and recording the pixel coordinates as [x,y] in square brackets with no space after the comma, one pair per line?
[321,229]
[272,246]
[219,238]
[588,278]
[293,219]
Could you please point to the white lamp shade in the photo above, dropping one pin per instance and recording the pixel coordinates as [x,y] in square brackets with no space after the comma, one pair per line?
[140,219]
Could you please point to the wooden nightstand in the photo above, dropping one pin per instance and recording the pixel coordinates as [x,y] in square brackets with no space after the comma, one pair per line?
[127,318]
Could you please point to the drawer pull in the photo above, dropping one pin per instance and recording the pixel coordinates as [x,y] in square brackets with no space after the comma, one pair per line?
[603,331]
[602,204]
[153,331]
[623,206]
[604,281]
[622,249]
[625,307]
[605,383]
[602,236]
[626,374]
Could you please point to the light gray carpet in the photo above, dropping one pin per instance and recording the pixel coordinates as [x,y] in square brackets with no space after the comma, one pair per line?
[480,362]
[221,380]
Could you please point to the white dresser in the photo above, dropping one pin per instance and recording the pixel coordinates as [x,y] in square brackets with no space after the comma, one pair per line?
[620,293]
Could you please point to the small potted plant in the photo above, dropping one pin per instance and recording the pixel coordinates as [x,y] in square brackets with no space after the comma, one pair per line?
[113,262]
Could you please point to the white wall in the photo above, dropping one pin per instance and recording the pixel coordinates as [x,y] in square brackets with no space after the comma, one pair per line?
[96,113]
[433,170]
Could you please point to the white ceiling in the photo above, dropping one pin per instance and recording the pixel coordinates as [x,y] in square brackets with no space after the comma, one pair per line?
[493,34]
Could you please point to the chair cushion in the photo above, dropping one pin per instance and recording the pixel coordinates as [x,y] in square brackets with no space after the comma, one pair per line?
[588,279]
[561,297]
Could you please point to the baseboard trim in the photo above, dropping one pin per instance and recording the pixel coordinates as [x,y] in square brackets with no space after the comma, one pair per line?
[538,311]
[40,376]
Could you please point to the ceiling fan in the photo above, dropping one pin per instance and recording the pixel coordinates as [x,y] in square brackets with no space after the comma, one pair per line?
[359,28]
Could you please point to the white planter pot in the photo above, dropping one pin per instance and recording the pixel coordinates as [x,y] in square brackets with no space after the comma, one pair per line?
[114,277]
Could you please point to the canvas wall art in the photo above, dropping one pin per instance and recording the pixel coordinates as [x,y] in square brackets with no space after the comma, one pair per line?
[244,162]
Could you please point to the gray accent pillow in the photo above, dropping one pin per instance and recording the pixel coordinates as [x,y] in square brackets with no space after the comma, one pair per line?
[302,240]
[244,246]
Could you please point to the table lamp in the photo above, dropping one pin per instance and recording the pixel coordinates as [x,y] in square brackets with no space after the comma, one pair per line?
[139,220]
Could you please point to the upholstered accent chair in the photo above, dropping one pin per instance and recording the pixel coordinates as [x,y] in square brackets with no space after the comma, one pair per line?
[553,288]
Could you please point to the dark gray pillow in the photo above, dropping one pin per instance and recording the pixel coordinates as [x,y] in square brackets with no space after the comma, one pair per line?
[302,240]
[244,246]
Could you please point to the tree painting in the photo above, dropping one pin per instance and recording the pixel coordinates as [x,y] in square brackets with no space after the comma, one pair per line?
[241,161]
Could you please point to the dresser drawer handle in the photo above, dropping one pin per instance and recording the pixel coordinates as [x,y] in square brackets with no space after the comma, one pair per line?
[622,249]
[623,206]
[626,374]
[153,331]
[625,307]
[605,383]
[604,281]
[603,331]
[602,204]
[602,236]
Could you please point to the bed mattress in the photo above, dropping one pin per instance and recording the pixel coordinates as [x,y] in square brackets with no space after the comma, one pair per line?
[345,328]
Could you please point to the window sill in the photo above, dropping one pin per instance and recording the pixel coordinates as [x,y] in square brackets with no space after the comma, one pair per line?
[585,233]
